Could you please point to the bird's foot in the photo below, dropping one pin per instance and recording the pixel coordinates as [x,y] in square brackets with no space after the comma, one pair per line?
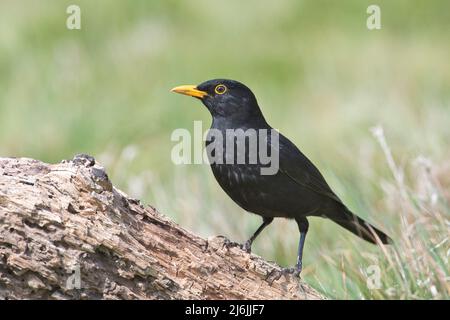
[291,271]
[247,246]
[295,272]
[275,275]
[227,243]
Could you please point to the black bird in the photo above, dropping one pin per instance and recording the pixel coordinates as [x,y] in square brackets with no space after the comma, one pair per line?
[297,190]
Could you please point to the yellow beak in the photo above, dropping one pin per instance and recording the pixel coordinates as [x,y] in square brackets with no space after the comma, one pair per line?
[190,90]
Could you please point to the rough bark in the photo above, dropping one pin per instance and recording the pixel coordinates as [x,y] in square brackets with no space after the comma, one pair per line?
[62,220]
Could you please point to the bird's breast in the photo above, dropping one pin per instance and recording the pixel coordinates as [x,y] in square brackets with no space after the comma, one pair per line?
[239,182]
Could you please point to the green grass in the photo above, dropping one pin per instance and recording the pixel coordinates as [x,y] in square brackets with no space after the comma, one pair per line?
[321,78]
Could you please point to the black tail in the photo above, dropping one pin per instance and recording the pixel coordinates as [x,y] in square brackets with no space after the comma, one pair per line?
[361,228]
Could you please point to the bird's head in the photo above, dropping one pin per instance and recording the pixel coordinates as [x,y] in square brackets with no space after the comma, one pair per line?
[224,98]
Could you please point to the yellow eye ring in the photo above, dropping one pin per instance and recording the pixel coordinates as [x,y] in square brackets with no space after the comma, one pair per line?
[220,89]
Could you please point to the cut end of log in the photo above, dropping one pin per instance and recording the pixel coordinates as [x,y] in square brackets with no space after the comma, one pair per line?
[67,233]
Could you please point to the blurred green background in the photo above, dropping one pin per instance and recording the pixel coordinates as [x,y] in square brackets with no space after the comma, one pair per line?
[321,77]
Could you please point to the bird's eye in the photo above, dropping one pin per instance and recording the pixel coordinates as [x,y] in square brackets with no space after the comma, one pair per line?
[220,89]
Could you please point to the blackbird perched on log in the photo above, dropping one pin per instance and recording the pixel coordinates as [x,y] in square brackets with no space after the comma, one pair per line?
[295,189]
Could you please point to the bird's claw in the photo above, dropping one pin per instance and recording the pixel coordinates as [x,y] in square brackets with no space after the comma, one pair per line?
[291,271]
[229,244]
[275,275]
[247,246]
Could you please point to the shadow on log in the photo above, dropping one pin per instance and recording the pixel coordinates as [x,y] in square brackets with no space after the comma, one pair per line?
[67,233]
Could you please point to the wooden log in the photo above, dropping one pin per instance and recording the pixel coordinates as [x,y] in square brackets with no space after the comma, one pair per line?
[67,233]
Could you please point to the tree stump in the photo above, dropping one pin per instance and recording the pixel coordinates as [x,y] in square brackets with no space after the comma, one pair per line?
[67,233]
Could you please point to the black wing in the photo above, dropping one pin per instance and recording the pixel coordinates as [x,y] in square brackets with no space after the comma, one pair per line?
[297,167]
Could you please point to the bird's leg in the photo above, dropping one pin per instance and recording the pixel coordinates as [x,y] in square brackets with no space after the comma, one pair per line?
[303,226]
[248,244]
[301,243]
